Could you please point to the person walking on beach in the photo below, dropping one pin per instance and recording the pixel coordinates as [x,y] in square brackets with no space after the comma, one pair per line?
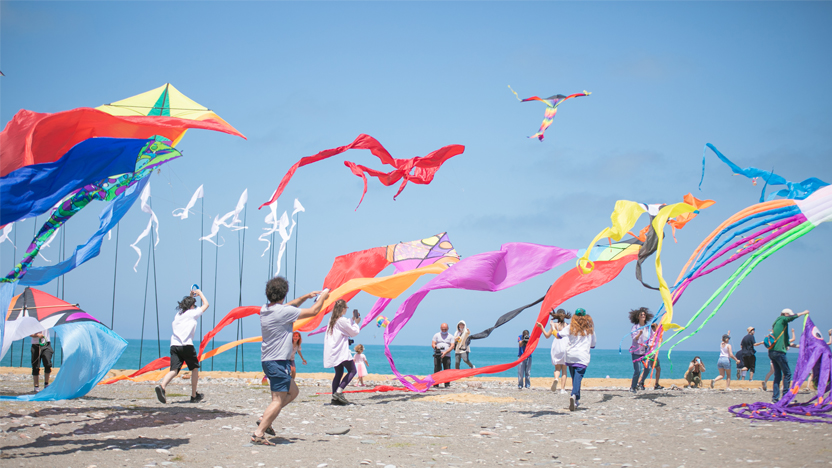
[777,352]
[640,334]
[361,364]
[337,349]
[524,370]
[296,351]
[724,364]
[580,339]
[182,345]
[442,344]
[694,373]
[41,354]
[276,321]
[558,323]
[749,358]
[462,347]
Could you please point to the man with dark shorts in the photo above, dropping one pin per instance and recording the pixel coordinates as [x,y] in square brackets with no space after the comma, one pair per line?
[748,352]
[182,345]
[41,353]
[276,352]
[442,344]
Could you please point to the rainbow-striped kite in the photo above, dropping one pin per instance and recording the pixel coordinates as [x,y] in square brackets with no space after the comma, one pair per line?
[552,103]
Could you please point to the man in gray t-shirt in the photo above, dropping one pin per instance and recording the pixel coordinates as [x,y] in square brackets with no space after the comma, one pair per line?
[276,321]
[442,344]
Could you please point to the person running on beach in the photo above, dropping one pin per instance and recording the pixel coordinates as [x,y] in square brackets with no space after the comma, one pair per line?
[559,319]
[580,336]
[694,373]
[777,353]
[337,349]
[724,364]
[524,370]
[462,347]
[296,342]
[641,336]
[749,358]
[182,344]
[41,354]
[442,344]
[276,321]
[361,364]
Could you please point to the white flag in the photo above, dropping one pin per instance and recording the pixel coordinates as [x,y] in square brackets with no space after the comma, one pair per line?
[235,223]
[284,222]
[146,208]
[183,212]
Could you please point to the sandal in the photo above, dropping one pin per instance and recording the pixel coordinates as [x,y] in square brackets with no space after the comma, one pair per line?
[261,440]
[269,430]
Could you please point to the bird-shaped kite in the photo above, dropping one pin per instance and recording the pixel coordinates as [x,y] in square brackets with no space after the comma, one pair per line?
[552,103]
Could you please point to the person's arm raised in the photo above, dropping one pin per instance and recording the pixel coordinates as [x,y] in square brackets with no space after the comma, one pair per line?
[311,311]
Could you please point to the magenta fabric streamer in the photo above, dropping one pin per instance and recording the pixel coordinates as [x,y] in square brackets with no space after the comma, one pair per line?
[492,271]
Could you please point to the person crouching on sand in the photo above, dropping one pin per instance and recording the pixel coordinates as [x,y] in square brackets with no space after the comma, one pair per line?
[694,373]
[182,345]
[276,322]
[580,336]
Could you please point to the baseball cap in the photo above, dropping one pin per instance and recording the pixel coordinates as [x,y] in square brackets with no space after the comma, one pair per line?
[787,312]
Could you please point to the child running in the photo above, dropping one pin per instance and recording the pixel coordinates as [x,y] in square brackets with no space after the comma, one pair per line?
[361,364]
[580,334]
[182,345]
[559,319]
[296,341]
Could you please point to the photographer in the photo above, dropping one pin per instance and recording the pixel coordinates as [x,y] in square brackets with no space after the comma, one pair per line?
[525,368]
[694,373]
[442,344]
[337,349]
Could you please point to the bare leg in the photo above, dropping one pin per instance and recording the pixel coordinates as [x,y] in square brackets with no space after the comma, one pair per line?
[46,378]
[658,374]
[727,379]
[36,378]
[279,401]
[167,378]
[194,381]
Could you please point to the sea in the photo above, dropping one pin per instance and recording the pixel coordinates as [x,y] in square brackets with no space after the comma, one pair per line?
[417,360]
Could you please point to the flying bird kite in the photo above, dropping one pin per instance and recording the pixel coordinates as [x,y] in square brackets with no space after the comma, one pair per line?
[552,103]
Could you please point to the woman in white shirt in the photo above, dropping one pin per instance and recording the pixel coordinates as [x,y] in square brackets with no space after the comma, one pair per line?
[580,336]
[559,319]
[337,349]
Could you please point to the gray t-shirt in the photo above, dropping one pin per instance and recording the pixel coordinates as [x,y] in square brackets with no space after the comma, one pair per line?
[443,342]
[276,326]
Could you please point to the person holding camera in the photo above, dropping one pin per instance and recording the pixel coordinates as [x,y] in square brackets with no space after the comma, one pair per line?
[524,371]
[694,373]
[41,353]
[337,349]
[442,344]
[182,345]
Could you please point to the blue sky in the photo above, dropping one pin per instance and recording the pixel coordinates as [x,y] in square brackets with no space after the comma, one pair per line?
[296,78]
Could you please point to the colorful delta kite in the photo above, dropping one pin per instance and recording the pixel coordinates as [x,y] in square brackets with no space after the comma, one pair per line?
[552,103]
[814,365]
[419,170]
[153,154]
[90,349]
[65,160]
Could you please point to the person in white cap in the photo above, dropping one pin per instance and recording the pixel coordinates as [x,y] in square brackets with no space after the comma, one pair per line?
[777,353]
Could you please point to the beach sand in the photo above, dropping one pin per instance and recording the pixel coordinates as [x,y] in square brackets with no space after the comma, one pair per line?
[481,421]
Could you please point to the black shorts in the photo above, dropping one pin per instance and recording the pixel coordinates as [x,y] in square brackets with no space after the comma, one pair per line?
[183,355]
[41,354]
[750,361]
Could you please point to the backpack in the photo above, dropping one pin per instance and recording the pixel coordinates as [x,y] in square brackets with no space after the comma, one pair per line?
[769,341]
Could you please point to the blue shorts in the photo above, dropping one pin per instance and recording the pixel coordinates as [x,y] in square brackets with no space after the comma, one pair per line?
[723,363]
[279,374]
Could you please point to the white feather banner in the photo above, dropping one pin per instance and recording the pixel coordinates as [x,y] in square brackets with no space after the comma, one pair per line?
[235,224]
[284,222]
[184,212]
[147,209]
[4,234]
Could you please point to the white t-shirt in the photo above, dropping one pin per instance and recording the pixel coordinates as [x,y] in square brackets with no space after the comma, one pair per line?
[46,333]
[577,347]
[276,327]
[336,344]
[184,326]
[445,342]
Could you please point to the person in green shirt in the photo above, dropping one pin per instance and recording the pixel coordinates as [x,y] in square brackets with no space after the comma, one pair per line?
[777,354]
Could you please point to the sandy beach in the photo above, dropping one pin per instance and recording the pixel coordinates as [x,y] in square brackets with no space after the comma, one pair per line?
[482,421]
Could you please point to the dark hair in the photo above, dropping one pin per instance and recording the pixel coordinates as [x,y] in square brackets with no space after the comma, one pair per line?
[636,312]
[276,289]
[337,312]
[560,315]
[695,359]
[187,303]
[581,325]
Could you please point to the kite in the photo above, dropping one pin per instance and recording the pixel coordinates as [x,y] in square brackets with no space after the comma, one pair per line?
[235,223]
[815,358]
[770,226]
[382,322]
[147,209]
[795,190]
[154,153]
[552,103]
[182,213]
[36,138]
[90,349]
[419,170]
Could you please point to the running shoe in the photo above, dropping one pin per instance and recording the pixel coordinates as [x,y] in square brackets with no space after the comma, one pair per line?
[160,394]
[196,399]
[572,403]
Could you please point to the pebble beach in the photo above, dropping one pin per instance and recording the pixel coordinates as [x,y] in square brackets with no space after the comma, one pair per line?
[476,422]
